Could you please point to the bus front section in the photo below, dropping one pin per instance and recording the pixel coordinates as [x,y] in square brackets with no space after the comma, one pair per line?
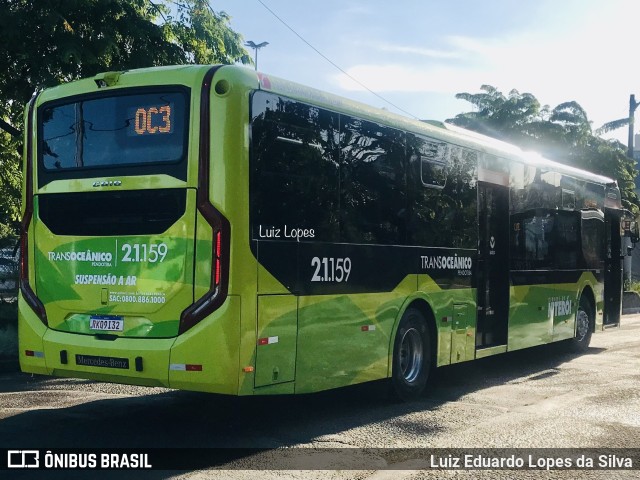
[121,247]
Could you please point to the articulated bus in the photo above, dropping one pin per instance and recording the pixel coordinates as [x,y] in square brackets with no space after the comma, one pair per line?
[220,230]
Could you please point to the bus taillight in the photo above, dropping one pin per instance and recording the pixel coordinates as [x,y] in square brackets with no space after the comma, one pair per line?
[218,257]
[221,229]
[24,270]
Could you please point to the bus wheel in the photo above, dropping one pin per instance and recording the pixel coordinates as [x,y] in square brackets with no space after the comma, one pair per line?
[584,322]
[411,356]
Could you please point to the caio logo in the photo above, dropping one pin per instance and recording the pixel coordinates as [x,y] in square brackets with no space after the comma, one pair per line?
[108,183]
[23,459]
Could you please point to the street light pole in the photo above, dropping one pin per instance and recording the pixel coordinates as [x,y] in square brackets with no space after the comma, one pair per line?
[632,110]
[256,47]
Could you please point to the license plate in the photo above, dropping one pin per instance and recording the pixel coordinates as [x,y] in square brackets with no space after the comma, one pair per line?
[109,323]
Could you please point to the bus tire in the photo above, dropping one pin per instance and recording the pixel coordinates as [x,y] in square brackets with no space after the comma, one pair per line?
[584,327]
[412,357]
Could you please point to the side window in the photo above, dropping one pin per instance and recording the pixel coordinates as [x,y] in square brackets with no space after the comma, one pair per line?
[593,239]
[593,197]
[542,239]
[534,187]
[569,187]
[373,183]
[443,194]
[463,175]
[532,240]
[294,170]
[568,199]
[434,163]
[566,244]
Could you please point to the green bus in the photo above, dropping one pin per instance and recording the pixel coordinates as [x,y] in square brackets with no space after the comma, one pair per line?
[212,228]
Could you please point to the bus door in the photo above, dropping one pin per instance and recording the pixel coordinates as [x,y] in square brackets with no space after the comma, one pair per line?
[613,268]
[493,265]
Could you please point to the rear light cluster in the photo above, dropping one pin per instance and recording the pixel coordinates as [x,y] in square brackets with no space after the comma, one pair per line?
[33,353]
[220,227]
[218,257]
[24,244]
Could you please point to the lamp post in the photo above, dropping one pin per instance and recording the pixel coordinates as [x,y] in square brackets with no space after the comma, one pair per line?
[256,47]
[632,110]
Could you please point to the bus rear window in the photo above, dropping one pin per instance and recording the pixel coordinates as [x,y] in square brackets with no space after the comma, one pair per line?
[130,129]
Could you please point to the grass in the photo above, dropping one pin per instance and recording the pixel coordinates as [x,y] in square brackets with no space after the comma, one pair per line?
[633,286]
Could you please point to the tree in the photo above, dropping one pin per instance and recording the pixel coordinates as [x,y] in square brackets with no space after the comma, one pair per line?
[563,134]
[47,43]
[622,122]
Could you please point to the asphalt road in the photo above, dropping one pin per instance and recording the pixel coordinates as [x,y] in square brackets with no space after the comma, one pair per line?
[537,398]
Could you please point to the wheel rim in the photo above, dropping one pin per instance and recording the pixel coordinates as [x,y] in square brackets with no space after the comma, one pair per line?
[582,324]
[411,355]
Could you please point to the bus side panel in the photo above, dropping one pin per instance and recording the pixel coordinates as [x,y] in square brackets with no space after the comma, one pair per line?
[442,305]
[31,330]
[213,343]
[562,310]
[277,334]
[544,313]
[455,320]
[344,339]
[564,304]
[529,321]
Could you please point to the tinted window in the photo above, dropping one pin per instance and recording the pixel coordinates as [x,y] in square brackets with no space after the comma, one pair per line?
[593,238]
[566,241]
[542,239]
[295,178]
[433,162]
[593,196]
[353,180]
[538,188]
[445,216]
[532,240]
[373,179]
[110,131]
[127,212]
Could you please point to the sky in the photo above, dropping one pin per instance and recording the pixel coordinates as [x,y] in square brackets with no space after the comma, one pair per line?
[418,54]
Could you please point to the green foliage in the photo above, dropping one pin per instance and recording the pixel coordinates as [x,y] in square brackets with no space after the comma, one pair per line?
[10,181]
[203,35]
[45,43]
[563,134]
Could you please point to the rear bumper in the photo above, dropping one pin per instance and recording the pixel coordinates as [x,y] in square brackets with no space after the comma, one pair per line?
[212,345]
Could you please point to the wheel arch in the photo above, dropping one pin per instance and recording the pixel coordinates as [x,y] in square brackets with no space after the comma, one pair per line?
[425,308]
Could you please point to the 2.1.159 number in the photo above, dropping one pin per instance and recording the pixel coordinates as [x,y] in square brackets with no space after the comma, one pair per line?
[330,269]
[140,252]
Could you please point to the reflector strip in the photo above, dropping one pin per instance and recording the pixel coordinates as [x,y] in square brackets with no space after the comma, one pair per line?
[267,340]
[368,328]
[32,353]
[182,367]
